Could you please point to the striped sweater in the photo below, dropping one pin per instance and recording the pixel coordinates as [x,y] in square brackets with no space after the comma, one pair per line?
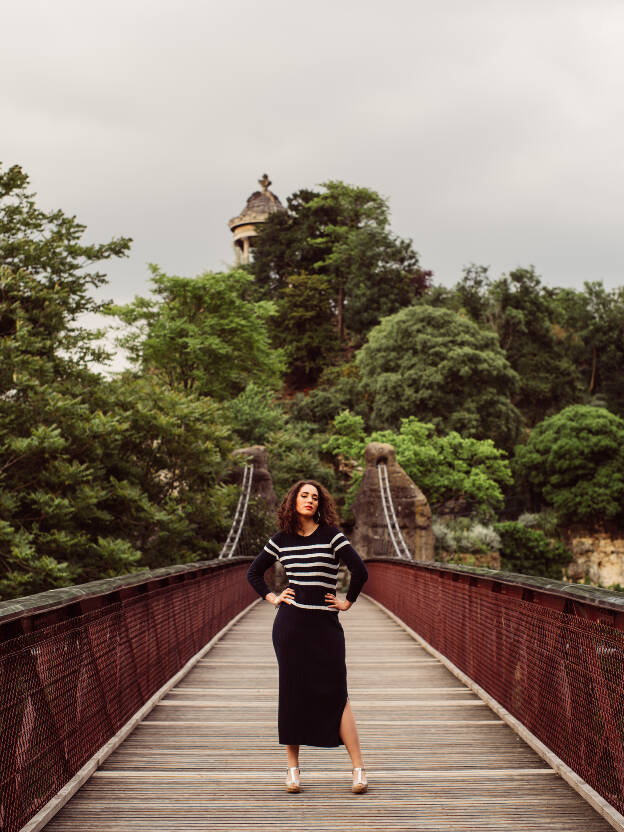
[311,563]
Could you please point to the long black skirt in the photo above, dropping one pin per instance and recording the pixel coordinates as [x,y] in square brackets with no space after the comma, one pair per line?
[310,650]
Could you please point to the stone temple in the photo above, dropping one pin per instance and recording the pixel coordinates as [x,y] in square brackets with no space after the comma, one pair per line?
[244,227]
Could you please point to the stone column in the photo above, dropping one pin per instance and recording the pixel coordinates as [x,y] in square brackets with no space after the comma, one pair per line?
[245,250]
[370,535]
[261,484]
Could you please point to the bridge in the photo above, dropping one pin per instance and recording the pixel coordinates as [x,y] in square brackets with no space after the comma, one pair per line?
[485,701]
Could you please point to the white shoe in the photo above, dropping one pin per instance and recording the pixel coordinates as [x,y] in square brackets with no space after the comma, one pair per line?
[293,783]
[360,784]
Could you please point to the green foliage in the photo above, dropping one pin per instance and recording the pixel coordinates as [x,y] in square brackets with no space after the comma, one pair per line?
[530,552]
[545,521]
[304,327]
[444,467]
[343,234]
[97,483]
[348,438]
[203,334]
[442,367]
[593,323]
[533,328]
[338,390]
[254,414]
[522,313]
[97,478]
[464,535]
[295,453]
[42,252]
[574,461]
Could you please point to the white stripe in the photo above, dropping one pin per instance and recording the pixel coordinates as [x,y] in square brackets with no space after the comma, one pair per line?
[340,545]
[266,549]
[303,574]
[334,539]
[309,546]
[312,583]
[305,557]
[311,607]
[314,563]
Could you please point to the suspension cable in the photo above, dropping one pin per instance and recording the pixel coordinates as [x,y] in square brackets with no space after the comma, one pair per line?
[398,541]
[399,534]
[239,516]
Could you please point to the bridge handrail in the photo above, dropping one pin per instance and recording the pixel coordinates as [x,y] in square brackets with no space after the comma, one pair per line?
[77,663]
[55,598]
[551,654]
[581,593]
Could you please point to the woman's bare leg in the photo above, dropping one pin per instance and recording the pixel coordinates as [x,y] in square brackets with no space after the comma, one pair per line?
[292,752]
[349,735]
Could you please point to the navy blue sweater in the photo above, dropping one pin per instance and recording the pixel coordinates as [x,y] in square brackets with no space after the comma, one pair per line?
[311,563]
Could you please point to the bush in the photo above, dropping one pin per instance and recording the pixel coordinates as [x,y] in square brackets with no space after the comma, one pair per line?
[574,461]
[530,552]
[465,535]
[546,521]
[444,537]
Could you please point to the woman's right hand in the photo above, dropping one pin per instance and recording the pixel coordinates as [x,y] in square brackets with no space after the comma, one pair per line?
[286,596]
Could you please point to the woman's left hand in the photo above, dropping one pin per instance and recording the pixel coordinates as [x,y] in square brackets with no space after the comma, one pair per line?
[335,603]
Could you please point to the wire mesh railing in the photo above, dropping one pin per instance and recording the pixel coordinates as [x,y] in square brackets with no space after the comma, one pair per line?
[76,664]
[551,653]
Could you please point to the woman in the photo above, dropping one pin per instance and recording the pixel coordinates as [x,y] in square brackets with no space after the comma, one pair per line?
[308,638]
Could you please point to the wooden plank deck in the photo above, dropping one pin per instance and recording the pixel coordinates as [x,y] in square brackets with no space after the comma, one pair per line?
[437,758]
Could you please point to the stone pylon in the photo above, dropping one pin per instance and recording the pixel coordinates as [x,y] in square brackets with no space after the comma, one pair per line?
[262,483]
[370,535]
[261,486]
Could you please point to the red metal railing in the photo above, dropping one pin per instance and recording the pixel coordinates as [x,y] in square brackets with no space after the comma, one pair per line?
[76,664]
[551,653]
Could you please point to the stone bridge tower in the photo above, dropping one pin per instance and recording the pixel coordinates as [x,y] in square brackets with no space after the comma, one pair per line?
[244,227]
[370,533]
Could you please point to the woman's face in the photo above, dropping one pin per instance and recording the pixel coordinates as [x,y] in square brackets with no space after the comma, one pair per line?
[307,501]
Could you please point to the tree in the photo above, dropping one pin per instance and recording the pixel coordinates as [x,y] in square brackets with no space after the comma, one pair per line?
[522,313]
[445,467]
[530,552]
[343,234]
[44,250]
[254,414]
[107,479]
[574,462]
[304,327]
[203,334]
[97,478]
[593,321]
[338,389]
[527,319]
[442,368]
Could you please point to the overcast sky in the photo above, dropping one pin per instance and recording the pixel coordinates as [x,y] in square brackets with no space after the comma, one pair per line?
[495,129]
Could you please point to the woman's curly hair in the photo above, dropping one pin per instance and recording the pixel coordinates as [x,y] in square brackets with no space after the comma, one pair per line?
[287,512]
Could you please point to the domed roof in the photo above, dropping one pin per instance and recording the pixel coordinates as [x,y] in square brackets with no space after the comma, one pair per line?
[259,205]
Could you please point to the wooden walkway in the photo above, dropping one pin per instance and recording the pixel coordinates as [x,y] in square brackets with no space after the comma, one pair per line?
[437,758]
